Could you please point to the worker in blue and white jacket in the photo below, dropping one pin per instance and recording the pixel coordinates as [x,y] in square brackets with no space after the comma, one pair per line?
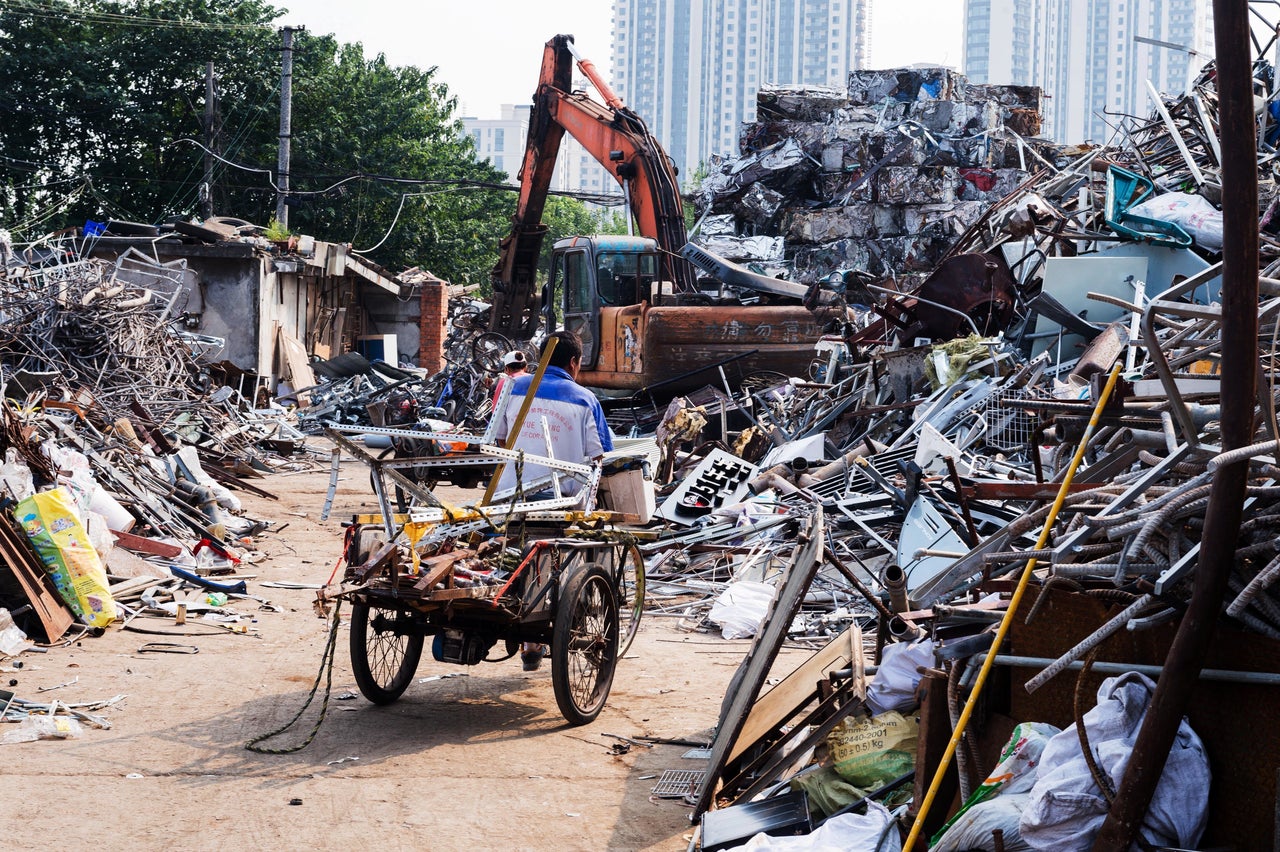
[574,418]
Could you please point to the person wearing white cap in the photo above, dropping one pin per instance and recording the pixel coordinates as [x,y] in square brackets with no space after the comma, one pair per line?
[514,365]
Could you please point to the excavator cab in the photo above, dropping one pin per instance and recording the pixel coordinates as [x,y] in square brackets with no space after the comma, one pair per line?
[592,277]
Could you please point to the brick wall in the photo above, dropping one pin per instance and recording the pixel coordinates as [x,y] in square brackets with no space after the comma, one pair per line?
[434,313]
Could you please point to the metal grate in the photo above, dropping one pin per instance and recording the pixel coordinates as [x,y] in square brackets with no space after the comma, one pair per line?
[678,783]
[1008,428]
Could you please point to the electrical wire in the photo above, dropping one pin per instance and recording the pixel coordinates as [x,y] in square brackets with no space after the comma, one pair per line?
[391,228]
[65,11]
[49,212]
[595,198]
[270,173]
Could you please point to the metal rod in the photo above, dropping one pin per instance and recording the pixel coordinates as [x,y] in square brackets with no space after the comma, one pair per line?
[917,825]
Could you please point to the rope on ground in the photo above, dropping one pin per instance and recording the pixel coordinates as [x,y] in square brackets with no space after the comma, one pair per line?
[326,672]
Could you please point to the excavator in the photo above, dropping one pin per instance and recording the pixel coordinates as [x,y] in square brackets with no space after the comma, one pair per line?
[637,302]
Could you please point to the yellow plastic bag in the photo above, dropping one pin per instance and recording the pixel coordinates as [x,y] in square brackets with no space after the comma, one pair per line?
[870,752]
[63,546]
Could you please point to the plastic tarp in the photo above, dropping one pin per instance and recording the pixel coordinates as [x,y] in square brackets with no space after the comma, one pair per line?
[1067,809]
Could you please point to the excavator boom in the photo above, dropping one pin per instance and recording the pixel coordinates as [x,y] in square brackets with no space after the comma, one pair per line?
[617,138]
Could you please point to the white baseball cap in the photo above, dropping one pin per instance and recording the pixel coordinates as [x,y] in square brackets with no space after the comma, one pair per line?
[514,358]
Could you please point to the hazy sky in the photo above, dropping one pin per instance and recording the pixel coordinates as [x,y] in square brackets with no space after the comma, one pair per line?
[489,51]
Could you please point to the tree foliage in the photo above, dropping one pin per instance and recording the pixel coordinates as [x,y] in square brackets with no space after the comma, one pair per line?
[102,116]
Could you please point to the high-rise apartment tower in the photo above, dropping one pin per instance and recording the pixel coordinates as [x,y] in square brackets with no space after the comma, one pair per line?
[1091,57]
[691,68]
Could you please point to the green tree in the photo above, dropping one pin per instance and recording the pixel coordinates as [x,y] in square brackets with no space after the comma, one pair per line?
[378,159]
[395,127]
[95,93]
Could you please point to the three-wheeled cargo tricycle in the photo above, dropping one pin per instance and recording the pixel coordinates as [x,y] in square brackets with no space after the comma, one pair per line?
[547,569]
[579,590]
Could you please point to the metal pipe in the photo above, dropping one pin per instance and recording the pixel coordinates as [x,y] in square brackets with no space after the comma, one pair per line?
[1222,675]
[837,467]
[1239,370]
[903,630]
[895,583]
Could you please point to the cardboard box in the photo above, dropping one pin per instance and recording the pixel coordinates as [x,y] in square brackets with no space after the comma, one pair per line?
[630,493]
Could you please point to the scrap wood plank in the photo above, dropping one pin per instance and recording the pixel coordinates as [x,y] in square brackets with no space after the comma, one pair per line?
[777,706]
[295,358]
[55,619]
[139,544]
[807,733]
[437,568]
[384,556]
[747,681]
[457,594]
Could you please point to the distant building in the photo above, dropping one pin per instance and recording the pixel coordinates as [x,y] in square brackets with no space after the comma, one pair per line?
[1087,56]
[691,68]
[501,141]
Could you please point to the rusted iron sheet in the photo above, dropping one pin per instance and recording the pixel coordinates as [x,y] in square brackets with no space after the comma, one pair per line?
[672,341]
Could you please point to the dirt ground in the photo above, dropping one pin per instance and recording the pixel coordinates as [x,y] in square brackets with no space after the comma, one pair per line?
[482,759]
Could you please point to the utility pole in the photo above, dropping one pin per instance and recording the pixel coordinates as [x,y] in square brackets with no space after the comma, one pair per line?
[210,106]
[286,124]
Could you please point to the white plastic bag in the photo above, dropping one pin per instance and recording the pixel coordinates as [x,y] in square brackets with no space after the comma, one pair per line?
[1067,809]
[895,682]
[741,608]
[15,476]
[845,833]
[35,728]
[1193,213]
[12,640]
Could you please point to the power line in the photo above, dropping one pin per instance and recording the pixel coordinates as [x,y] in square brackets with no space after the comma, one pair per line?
[63,11]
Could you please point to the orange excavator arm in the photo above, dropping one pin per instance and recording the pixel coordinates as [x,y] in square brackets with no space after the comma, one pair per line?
[617,138]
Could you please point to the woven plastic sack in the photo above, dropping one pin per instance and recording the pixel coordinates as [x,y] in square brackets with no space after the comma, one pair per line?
[999,801]
[1066,808]
[62,544]
[895,682]
[870,752]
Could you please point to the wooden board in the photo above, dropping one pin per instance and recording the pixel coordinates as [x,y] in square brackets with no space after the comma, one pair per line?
[796,690]
[298,364]
[745,687]
[32,580]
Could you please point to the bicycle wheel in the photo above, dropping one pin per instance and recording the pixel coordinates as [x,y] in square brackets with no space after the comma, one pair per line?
[385,649]
[584,643]
[630,586]
[487,351]
[761,380]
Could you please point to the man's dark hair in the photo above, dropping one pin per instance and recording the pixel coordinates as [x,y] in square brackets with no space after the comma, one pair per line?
[568,347]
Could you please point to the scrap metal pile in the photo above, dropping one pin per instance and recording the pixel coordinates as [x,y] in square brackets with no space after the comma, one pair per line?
[943,415]
[351,389]
[110,403]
